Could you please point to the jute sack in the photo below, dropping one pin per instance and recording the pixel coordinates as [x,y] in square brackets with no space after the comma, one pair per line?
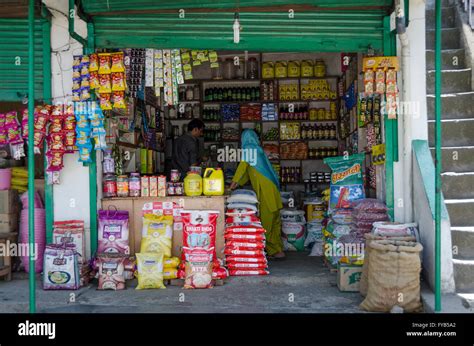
[364,279]
[394,276]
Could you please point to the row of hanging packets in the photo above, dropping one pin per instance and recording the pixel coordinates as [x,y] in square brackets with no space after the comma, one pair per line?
[167,77]
[89,124]
[177,73]
[158,70]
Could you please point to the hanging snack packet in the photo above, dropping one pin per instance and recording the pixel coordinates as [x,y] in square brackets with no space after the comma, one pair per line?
[94,80]
[198,267]
[76,60]
[85,154]
[119,100]
[117,62]
[105,103]
[118,81]
[157,233]
[105,84]
[104,63]
[347,184]
[150,270]
[93,63]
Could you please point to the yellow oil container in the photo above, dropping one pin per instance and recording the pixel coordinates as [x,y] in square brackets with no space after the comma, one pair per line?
[268,70]
[213,182]
[320,69]
[193,184]
[307,68]
[293,69]
[281,69]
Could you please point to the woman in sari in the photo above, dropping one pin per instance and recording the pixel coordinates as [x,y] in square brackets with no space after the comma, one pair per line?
[265,183]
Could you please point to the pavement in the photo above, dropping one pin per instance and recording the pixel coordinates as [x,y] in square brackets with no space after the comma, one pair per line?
[299,284]
[456,303]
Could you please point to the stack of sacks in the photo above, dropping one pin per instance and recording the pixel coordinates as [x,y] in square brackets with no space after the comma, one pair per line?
[20,179]
[315,213]
[293,229]
[338,225]
[244,236]
[170,268]
[366,212]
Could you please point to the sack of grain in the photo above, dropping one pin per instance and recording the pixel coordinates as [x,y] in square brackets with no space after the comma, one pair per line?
[394,276]
[364,279]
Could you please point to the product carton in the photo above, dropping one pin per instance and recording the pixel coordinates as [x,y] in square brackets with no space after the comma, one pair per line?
[8,223]
[9,202]
[154,186]
[161,186]
[145,187]
[348,277]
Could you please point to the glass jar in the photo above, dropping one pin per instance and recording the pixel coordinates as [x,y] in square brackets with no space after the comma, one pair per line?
[189,93]
[122,186]
[239,70]
[134,185]
[228,71]
[110,186]
[109,164]
[252,68]
[217,71]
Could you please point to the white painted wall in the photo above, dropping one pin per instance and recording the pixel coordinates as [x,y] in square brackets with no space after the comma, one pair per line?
[412,124]
[71,196]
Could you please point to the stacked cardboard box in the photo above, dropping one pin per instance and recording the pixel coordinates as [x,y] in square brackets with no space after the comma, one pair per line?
[9,208]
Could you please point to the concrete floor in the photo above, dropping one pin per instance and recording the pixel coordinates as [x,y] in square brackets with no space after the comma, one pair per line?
[304,278]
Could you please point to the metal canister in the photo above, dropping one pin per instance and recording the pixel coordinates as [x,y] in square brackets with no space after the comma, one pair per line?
[174,175]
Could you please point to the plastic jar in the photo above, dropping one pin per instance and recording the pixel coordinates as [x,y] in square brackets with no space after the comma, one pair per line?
[110,186]
[134,185]
[108,165]
[122,186]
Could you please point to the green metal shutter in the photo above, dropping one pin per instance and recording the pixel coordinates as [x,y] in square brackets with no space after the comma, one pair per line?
[14,58]
[317,25]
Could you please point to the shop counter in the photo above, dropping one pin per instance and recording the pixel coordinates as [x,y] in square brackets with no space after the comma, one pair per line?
[134,206]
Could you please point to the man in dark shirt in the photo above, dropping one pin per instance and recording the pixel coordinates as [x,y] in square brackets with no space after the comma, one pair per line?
[186,148]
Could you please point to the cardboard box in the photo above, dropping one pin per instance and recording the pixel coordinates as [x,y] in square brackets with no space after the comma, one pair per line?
[9,223]
[348,277]
[9,202]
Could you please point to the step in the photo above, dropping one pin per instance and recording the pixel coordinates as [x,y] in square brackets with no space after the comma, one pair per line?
[450,39]
[460,212]
[462,239]
[464,275]
[454,132]
[458,185]
[453,106]
[451,59]
[456,159]
[447,18]
[452,81]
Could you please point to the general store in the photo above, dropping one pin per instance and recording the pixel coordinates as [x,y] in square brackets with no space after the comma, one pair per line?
[318,85]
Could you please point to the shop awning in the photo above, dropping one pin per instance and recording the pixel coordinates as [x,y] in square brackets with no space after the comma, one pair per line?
[321,25]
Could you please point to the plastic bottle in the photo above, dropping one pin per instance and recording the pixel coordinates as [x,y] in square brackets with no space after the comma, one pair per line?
[213,182]
[193,184]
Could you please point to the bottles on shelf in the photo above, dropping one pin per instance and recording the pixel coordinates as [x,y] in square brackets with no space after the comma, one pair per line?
[290,175]
[319,131]
[212,134]
[211,113]
[233,94]
[294,112]
[322,152]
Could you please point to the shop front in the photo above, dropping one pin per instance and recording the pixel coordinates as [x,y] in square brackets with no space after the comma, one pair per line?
[297,99]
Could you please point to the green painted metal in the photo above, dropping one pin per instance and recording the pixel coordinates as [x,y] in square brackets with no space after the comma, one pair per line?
[14,59]
[93,166]
[438,157]
[323,31]
[71,19]
[31,158]
[407,12]
[48,189]
[105,6]
[424,158]
[391,135]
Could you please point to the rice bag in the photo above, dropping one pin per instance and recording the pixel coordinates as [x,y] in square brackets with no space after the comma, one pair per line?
[198,267]
[369,205]
[242,219]
[245,245]
[243,228]
[346,180]
[171,262]
[293,235]
[111,271]
[170,273]
[61,269]
[237,252]
[150,270]
[157,232]
[199,229]
[71,232]
[240,212]
[245,259]
[113,232]
[248,272]
[244,237]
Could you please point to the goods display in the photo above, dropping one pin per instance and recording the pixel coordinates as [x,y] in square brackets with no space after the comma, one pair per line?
[150,270]
[394,269]
[365,213]
[193,184]
[294,151]
[213,182]
[111,271]
[290,175]
[293,229]
[61,269]
[199,263]
[232,94]
[113,232]
[346,180]
[244,236]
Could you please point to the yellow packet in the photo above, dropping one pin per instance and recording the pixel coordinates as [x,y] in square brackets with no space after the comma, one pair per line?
[150,271]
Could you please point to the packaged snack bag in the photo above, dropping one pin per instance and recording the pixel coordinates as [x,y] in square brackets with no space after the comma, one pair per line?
[157,232]
[150,270]
[111,271]
[346,180]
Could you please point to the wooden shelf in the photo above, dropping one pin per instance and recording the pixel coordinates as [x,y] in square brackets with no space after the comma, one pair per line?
[230,102]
